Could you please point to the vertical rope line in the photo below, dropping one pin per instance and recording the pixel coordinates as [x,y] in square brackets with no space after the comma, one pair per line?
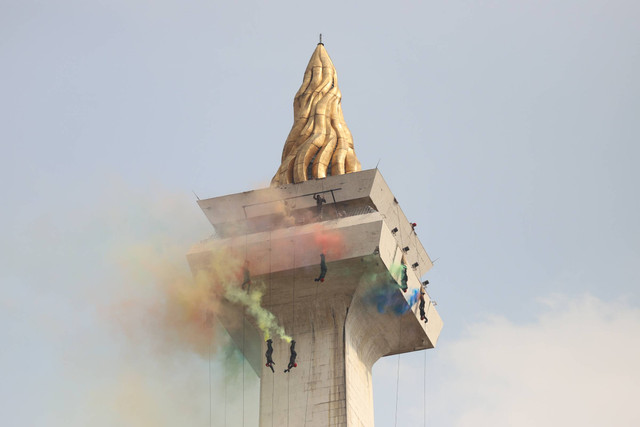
[273,378]
[424,391]
[293,299]
[398,373]
[399,226]
[293,323]
[225,399]
[244,309]
[306,407]
[397,391]
[243,362]
[210,345]
[288,376]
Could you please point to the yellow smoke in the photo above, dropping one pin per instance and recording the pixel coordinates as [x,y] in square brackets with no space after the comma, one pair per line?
[265,320]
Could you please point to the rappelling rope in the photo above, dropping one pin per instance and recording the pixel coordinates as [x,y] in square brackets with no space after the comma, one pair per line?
[293,298]
[225,399]
[398,226]
[313,347]
[421,259]
[273,379]
[424,391]
[398,373]
[397,391]
[243,361]
[244,320]
[293,323]
[306,407]
[210,345]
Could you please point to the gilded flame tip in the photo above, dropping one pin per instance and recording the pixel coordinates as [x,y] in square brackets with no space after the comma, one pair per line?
[319,143]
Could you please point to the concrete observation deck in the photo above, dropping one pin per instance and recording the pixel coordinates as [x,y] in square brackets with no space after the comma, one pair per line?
[343,325]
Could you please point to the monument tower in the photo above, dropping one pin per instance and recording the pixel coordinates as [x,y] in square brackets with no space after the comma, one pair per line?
[332,260]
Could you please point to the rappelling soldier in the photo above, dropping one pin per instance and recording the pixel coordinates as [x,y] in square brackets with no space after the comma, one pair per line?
[292,357]
[403,279]
[423,316]
[323,269]
[268,354]
[320,200]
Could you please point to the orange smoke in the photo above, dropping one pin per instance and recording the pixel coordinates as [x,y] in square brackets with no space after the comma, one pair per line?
[329,242]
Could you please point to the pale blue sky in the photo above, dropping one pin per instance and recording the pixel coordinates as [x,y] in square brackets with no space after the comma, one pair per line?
[507,130]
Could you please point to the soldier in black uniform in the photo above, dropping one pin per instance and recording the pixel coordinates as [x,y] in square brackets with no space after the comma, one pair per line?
[404,279]
[323,269]
[423,316]
[319,202]
[268,354]
[292,358]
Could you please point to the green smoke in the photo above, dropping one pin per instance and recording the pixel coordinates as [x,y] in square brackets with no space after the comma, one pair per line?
[265,320]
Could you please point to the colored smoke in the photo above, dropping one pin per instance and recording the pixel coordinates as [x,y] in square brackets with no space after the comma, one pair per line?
[265,320]
[385,294]
[178,310]
[387,298]
[329,242]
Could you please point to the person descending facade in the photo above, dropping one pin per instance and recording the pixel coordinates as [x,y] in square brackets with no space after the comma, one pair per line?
[292,357]
[320,200]
[404,279]
[269,354]
[423,316]
[323,269]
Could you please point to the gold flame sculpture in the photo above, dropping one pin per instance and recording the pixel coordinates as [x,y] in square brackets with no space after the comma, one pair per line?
[319,143]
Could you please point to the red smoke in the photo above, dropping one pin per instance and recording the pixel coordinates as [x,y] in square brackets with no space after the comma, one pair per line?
[330,242]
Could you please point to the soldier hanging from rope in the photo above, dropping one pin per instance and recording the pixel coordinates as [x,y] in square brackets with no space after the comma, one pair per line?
[323,269]
[246,280]
[423,316]
[320,200]
[292,358]
[268,354]
[404,278]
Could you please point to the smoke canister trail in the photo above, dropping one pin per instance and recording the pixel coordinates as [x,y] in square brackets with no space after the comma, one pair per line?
[265,320]
[382,292]
[329,242]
